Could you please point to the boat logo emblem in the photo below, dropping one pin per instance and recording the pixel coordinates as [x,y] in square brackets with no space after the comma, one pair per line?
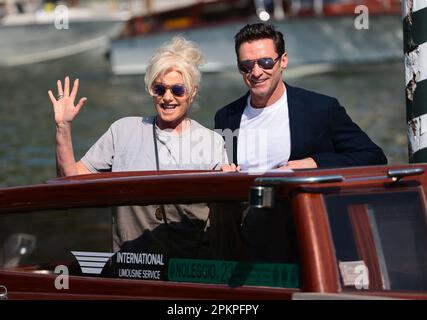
[92,262]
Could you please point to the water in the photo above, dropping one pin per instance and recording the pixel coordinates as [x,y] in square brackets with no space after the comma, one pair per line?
[372,94]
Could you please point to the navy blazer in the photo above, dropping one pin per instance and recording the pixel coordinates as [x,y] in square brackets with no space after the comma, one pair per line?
[319,126]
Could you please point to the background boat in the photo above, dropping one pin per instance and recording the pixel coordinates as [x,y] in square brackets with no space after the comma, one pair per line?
[57,32]
[319,34]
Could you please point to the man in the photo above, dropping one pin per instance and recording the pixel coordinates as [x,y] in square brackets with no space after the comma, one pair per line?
[281,126]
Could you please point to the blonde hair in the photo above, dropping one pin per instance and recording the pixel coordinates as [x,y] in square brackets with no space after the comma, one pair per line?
[179,55]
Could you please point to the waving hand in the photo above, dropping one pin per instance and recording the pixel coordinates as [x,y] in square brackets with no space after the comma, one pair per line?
[63,104]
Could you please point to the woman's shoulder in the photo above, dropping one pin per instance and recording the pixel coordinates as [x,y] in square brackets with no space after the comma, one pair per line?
[197,126]
[131,122]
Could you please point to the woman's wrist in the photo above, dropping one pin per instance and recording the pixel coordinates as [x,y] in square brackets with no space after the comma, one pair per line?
[63,125]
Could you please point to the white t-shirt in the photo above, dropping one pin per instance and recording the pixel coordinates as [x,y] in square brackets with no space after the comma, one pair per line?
[264,141]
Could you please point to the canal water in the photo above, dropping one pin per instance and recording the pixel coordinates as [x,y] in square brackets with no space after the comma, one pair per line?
[372,94]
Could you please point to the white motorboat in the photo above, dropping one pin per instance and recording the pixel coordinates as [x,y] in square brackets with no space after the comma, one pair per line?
[45,35]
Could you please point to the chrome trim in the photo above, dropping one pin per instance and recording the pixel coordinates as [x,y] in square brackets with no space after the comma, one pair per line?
[295,180]
[262,197]
[3,292]
[397,174]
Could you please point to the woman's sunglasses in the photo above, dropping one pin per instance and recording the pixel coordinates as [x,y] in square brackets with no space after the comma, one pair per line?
[178,90]
[246,66]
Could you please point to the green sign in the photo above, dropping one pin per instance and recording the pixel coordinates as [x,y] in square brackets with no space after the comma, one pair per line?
[234,273]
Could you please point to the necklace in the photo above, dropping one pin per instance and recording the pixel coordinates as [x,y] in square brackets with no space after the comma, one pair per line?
[156,152]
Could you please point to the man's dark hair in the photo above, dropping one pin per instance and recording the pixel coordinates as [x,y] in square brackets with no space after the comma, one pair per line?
[258,31]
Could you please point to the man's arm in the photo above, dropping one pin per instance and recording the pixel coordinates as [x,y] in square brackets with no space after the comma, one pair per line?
[352,146]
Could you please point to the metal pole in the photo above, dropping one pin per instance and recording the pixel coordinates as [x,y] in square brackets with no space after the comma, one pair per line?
[415,49]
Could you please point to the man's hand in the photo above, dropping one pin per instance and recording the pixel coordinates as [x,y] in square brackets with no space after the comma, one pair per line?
[230,168]
[306,163]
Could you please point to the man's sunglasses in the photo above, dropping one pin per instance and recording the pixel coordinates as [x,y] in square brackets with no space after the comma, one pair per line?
[178,90]
[246,66]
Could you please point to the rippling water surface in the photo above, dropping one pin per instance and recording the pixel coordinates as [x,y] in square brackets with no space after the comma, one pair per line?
[373,95]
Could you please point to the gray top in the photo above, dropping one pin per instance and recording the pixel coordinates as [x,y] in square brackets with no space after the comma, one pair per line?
[128,145]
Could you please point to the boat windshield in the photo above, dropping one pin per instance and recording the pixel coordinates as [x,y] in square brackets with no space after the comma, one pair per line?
[380,239]
[195,243]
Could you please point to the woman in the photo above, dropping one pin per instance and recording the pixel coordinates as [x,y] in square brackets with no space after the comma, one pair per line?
[168,141]
[130,144]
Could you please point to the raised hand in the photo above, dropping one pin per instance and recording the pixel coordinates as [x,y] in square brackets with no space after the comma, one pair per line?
[63,104]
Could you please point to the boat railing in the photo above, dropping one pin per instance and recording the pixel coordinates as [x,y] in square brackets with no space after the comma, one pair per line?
[394,174]
[262,195]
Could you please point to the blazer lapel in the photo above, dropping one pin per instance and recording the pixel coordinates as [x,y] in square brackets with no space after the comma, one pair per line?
[234,118]
[296,121]
[235,113]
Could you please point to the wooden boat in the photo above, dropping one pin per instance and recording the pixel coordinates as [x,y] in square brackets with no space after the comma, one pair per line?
[360,233]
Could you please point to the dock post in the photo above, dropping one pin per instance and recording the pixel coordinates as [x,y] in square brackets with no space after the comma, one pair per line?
[415,49]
